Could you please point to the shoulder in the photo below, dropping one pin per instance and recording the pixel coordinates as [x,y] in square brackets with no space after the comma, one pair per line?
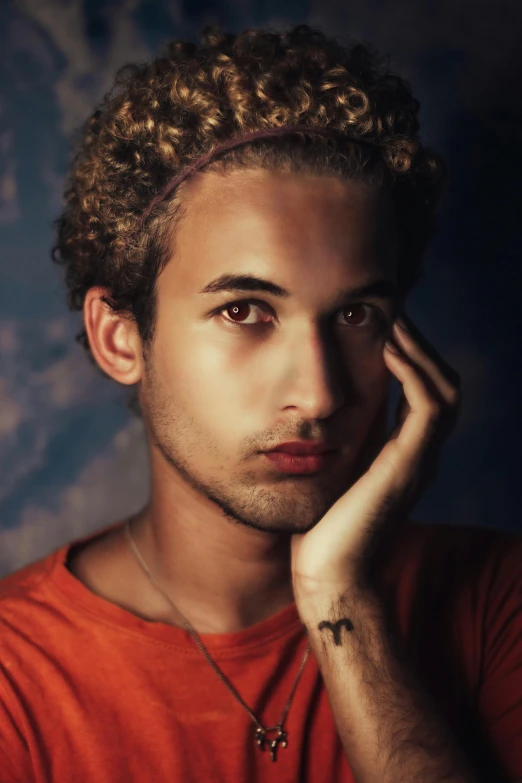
[456,585]
[469,551]
[23,582]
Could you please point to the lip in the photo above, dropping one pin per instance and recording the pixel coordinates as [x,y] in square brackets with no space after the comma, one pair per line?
[299,463]
[302,448]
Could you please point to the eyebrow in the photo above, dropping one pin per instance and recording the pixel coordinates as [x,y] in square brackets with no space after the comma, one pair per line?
[377,289]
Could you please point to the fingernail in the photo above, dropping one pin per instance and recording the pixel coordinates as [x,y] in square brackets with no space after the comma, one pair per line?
[402,323]
[392,347]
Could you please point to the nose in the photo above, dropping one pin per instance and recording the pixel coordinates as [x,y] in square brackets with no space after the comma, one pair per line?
[312,378]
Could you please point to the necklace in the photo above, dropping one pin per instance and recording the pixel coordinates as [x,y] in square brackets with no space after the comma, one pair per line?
[260,733]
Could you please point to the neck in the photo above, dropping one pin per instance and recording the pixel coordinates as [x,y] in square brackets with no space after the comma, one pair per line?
[223,578]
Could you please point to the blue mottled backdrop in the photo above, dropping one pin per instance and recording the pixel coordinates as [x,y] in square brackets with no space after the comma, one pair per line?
[72,459]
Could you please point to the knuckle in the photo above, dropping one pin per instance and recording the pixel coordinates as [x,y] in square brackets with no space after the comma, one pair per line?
[455,396]
[433,411]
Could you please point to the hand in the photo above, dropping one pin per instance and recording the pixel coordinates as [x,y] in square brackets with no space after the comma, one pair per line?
[337,553]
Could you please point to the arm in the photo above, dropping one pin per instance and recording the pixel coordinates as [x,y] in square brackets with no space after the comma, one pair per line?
[386,720]
[387,723]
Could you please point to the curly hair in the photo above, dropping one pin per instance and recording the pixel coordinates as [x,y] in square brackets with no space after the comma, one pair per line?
[162,114]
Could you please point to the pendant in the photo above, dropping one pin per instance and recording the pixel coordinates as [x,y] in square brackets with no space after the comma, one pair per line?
[281,737]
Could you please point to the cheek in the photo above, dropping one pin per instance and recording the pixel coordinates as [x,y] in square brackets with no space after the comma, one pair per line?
[205,379]
[377,401]
[369,417]
[217,374]
[372,434]
[366,373]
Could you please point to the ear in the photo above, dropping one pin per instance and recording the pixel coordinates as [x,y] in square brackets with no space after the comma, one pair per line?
[113,338]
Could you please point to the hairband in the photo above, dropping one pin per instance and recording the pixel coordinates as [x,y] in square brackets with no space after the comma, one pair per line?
[231,144]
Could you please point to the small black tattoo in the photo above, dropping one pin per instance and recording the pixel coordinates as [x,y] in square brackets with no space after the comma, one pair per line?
[335,628]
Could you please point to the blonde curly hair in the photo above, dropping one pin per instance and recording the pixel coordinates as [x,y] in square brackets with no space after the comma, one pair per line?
[162,114]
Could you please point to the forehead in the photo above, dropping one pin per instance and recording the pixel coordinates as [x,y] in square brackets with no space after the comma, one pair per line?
[281,225]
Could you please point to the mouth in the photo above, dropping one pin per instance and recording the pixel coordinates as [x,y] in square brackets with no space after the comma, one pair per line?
[304,448]
[300,463]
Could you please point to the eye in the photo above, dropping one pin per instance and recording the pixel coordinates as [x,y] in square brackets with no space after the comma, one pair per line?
[375,319]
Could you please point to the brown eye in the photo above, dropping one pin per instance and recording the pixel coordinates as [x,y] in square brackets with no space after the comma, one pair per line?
[357,317]
[239,311]
[355,313]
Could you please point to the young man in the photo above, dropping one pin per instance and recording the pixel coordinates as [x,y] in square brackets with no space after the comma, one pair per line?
[244,220]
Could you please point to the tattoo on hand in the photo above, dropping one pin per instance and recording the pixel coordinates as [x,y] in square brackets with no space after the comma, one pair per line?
[336,628]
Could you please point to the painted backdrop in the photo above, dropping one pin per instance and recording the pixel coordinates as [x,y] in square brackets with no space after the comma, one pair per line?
[72,459]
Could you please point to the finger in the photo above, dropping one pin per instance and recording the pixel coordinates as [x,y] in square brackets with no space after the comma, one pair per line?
[423,426]
[417,349]
[402,412]
[446,408]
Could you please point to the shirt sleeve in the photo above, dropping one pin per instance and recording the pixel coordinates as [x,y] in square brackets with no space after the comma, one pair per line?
[15,761]
[500,690]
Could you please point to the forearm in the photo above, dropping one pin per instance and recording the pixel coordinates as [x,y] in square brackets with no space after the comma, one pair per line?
[386,719]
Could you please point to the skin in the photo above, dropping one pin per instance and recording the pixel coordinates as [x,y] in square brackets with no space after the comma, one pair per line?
[216,529]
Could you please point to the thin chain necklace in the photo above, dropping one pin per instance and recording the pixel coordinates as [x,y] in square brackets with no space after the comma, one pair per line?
[282,736]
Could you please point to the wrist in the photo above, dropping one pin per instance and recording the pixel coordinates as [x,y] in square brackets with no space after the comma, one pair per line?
[331,602]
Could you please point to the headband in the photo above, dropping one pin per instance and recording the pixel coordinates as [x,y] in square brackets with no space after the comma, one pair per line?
[231,144]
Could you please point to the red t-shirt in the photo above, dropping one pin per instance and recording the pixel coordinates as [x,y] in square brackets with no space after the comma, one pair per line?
[89,692]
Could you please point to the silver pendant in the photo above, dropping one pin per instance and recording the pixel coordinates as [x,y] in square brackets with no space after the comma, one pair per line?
[281,737]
